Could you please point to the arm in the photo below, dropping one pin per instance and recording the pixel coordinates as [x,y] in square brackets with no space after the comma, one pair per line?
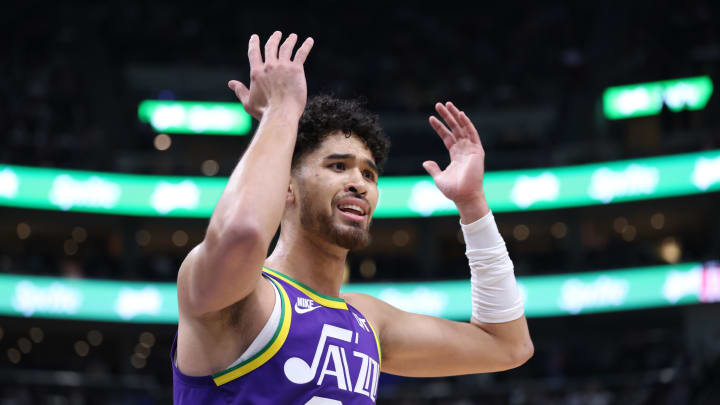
[415,345]
[497,337]
[226,266]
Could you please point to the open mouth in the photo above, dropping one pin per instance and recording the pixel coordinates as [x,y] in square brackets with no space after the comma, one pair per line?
[352,212]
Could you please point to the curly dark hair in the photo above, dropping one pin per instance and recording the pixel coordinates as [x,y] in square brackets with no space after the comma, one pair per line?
[325,114]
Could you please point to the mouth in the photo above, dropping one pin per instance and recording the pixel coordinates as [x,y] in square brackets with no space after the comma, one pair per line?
[353,212]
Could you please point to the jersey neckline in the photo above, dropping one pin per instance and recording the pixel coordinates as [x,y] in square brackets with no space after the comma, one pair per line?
[322,299]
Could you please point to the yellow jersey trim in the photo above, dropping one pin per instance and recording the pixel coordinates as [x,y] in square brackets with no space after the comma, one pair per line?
[322,299]
[269,350]
[377,342]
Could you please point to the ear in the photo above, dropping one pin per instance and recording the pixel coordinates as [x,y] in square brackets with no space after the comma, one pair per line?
[290,196]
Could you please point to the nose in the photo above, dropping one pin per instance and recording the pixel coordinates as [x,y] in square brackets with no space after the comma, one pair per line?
[356,188]
[355,184]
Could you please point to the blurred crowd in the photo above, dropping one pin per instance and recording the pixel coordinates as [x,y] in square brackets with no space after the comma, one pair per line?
[533,74]
[628,358]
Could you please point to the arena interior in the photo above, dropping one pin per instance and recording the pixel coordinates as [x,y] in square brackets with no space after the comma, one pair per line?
[601,125]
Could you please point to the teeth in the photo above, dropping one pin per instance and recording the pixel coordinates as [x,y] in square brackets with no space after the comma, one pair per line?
[352,207]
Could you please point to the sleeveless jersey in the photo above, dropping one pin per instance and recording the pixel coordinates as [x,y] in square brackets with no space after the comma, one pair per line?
[323,352]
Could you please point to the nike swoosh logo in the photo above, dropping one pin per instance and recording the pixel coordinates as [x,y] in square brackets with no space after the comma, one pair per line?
[301,310]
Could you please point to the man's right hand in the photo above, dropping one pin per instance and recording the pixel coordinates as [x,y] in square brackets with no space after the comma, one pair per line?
[278,82]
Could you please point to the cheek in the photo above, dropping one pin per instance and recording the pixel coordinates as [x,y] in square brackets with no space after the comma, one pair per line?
[321,194]
[373,200]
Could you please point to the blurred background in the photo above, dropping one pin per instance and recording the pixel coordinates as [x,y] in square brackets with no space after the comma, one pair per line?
[617,259]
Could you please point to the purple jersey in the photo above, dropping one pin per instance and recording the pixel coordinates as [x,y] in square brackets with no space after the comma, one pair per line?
[324,352]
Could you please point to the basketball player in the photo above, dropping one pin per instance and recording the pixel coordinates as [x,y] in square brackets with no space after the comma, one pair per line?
[275,330]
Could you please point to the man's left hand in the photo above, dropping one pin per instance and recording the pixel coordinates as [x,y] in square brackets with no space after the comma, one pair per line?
[462,180]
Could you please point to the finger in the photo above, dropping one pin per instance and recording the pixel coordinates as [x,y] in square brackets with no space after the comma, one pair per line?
[304,50]
[446,116]
[466,123]
[254,54]
[445,134]
[453,111]
[241,91]
[271,46]
[462,130]
[432,168]
[287,47]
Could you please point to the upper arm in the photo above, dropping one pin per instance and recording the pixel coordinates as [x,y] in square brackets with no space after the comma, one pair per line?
[417,345]
[219,272]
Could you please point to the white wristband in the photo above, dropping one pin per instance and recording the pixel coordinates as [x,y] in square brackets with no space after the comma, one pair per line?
[496,297]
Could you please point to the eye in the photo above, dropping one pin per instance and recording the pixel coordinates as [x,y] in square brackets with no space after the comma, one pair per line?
[337,166]
[369,174]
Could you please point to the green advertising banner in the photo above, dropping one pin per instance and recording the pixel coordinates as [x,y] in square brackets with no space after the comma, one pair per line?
[637,100]
[555,295]
[564,294]
[195,117]
[415,196]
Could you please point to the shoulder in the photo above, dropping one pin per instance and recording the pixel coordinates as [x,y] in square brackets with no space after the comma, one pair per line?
[363,302]
[377,311]
[368,302]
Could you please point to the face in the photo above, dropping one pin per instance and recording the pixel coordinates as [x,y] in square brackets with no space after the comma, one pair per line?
[336,191]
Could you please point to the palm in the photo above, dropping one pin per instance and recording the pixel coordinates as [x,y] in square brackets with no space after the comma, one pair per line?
[462,179]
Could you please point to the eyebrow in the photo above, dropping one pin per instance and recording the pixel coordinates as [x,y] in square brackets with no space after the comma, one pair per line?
[345,156]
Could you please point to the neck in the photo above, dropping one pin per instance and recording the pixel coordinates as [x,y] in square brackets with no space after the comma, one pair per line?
[314,262]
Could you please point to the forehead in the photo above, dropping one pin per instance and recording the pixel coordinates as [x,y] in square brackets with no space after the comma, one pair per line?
[339,143]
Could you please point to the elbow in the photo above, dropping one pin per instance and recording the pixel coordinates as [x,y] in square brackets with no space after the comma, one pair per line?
[248,233]
[521,353]
[234,233]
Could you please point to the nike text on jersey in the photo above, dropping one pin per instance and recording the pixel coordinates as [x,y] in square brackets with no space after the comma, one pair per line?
[303,305]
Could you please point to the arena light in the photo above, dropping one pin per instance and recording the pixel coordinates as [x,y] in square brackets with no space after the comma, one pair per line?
[637,100]
[195,117]
[414,196]
[554,295]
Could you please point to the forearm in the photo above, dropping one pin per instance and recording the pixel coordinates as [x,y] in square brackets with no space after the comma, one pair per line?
[254,197]
[512,340]
[226,266]
[497,302]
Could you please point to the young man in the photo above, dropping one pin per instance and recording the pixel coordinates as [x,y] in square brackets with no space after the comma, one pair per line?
[275,330]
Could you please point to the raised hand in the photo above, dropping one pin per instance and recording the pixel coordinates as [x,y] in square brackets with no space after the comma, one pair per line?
[462,180]
[278,81]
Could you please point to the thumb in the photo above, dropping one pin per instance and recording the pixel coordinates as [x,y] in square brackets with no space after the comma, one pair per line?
[432,168]
[240,90]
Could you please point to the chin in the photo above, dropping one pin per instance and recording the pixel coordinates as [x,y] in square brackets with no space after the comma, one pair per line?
[350,237]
